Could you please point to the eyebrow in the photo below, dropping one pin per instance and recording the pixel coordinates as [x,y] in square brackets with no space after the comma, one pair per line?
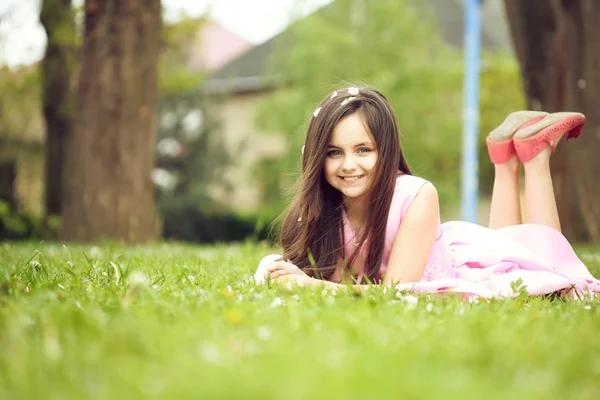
[358,145]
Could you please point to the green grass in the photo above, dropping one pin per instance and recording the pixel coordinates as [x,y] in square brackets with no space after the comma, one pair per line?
[174,321]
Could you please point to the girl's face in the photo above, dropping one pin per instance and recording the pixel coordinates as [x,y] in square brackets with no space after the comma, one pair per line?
[351,158]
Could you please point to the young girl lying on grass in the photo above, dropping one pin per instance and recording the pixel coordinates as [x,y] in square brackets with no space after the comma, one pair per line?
[361,217]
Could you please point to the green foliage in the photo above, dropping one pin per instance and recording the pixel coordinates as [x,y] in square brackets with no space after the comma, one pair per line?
[500,94]
[20,109]
[21,225]
[178,42]
[194,223]
[185,119]
[396,49]
[180,322]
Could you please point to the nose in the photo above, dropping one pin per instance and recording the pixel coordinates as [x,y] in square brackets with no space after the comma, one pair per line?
[349,163]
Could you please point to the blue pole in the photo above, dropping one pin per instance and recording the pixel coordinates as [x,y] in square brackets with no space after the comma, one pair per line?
[471,109]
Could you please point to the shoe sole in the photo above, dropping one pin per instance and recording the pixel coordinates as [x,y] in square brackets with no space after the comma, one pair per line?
[512,123]
[566,117]
[531,140]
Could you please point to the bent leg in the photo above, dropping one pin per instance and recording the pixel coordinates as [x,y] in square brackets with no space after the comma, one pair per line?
[505,209]
[540,203]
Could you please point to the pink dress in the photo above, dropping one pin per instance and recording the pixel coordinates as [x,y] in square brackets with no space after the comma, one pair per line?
[483,262]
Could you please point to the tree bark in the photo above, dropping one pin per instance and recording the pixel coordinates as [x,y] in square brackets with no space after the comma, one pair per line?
[557,43]
[108,186]
[57,66]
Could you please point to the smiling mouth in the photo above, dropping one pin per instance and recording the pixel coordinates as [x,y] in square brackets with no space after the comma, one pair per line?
[351,178]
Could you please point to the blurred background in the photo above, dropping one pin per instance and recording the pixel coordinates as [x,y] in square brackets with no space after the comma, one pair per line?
[235,85]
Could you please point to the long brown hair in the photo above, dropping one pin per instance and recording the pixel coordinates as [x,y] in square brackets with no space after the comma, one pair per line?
[312,233]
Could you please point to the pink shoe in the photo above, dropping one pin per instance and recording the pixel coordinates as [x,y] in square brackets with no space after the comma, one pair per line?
[530,141]
[500,141]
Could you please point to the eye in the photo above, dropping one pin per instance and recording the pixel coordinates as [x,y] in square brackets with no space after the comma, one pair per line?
[333,153]
[364,150]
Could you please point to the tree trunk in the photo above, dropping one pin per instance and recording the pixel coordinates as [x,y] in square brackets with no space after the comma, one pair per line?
[57,19]
[108,186]
[558,46]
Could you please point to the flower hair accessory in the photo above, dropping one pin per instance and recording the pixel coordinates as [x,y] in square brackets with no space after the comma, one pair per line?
[303,149]
[353,91]
[316,112]
[347,100]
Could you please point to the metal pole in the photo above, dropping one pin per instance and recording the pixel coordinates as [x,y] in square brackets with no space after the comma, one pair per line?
[471,109]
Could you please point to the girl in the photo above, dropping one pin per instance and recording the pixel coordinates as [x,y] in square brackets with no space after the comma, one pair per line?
[360,215]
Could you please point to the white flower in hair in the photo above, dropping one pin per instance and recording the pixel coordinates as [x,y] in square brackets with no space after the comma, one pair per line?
[353,91]
[347,100]
[316,112]
[303,149]
[333,95]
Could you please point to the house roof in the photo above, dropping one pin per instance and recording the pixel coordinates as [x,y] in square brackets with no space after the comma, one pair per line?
[250,71]
[215,47]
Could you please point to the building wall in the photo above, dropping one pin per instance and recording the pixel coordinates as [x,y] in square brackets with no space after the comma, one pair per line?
[248,145]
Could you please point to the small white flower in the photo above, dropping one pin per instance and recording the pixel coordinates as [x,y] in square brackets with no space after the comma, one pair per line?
[316,112]
[429,307]
[333,95]
[303,149]
[277,302]
[353,91]
[96,252]
[138,279]
[209,352]
[410,300]
[587,307]
[264,333]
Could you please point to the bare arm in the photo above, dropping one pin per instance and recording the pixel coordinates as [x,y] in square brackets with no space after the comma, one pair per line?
[415,238]
[411,248]
[413,242]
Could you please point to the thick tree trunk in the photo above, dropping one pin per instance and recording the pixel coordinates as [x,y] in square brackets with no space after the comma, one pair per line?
[108,186]
[558,46]
[57,19]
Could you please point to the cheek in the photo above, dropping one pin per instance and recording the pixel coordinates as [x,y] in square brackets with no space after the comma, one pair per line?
[371,161]
[330,167]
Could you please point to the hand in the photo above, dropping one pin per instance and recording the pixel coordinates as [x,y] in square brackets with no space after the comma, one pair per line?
[282,268]
[296,280]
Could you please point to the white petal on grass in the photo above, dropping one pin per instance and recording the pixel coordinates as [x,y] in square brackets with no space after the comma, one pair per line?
[429,307]
[587,307]
[138,279]
[278,301]
[96,252]
[209,352]
[264,333]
